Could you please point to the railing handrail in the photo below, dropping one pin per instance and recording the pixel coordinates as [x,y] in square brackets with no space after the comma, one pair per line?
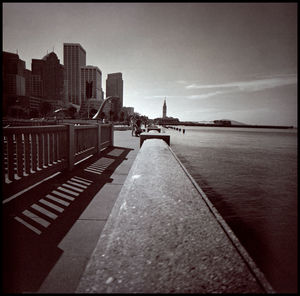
[89,126]
[32,153]
[28,129]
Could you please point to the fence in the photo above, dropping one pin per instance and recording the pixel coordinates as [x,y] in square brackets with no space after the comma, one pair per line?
[32,153]
[24,122]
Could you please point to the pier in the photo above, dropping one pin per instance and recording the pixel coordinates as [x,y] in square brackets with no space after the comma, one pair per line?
[124,219]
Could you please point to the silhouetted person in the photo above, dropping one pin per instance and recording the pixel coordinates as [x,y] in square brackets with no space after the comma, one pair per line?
[132,126]
[138,129]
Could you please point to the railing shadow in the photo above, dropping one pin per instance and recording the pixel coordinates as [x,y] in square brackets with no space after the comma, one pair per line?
[34,223]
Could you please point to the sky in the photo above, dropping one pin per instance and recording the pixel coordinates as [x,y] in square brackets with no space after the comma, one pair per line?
[210,61]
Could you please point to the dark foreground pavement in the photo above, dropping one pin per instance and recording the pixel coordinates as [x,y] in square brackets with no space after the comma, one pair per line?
[50,231]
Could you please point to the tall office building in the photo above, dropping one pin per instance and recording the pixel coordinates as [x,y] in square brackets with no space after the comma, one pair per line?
[13,75]
[34,84]
[91,75]
[164,115]
[91,90]
[74,59]
[17,93]
[114,86]
[51,73]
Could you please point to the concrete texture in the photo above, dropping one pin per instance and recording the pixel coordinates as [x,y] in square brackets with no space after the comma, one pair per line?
[154,135]
[161,237]
[153,129]
[79,243]
[101,205]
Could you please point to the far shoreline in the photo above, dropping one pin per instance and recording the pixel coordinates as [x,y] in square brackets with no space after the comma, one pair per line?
[232,126]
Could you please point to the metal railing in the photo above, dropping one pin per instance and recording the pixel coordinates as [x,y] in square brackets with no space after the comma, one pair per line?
[33,153]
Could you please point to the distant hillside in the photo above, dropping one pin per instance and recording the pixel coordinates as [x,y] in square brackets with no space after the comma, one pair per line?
[233,122]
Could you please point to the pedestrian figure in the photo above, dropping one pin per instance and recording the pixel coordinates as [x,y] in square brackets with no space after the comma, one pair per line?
[138,129]
[132,126]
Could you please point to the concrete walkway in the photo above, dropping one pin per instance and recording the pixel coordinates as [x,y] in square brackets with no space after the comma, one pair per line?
[54,260]
[79,243]
[163,237]
[81,240]
[51,230]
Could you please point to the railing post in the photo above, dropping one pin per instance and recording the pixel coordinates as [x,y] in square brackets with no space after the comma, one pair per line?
[71,146]
[112,135]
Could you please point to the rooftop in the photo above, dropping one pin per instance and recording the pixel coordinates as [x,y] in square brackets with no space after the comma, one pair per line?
[74,44]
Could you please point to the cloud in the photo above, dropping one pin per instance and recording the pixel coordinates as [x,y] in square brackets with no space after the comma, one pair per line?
[240,86]
[202,110]
[181,82]
[154,97]
[253,85]
[207,95]
[162,97]
[212,90]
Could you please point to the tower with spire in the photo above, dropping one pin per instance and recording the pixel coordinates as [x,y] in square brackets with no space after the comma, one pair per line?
[164,110]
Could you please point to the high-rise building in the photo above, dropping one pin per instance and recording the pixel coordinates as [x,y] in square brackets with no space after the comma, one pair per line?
[17,95]
[164,115]
[114,86]
[13,69]
[91,90]
[129,110]
[34,84]
[51,73]
[27,75]
[91,75]
[74,59]
[12,64]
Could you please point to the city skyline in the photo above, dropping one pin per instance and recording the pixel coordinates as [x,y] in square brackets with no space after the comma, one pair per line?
[210,61]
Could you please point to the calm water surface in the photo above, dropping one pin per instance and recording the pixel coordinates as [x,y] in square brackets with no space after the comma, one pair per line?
[250,175]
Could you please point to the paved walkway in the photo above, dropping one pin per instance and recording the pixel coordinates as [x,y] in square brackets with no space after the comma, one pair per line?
[51,232]
[82,238]
[163,236]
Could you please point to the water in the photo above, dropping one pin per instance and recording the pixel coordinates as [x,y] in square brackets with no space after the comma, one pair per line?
[250,175]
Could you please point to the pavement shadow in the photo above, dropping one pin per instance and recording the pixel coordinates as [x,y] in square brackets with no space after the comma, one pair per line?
[34,223]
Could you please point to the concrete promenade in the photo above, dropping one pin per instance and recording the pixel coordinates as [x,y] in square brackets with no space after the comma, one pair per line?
[81,240]
[52,233]
[162,236]
[47,252]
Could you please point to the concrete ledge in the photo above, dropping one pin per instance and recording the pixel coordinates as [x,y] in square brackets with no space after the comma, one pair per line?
[153,129]
[154,135]
[162,237]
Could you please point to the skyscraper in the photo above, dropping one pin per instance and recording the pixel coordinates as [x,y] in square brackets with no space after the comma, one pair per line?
[93,75]
[164,110]
[114,86]
[51,73]
[91,89]
[74,59]
[13,74]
